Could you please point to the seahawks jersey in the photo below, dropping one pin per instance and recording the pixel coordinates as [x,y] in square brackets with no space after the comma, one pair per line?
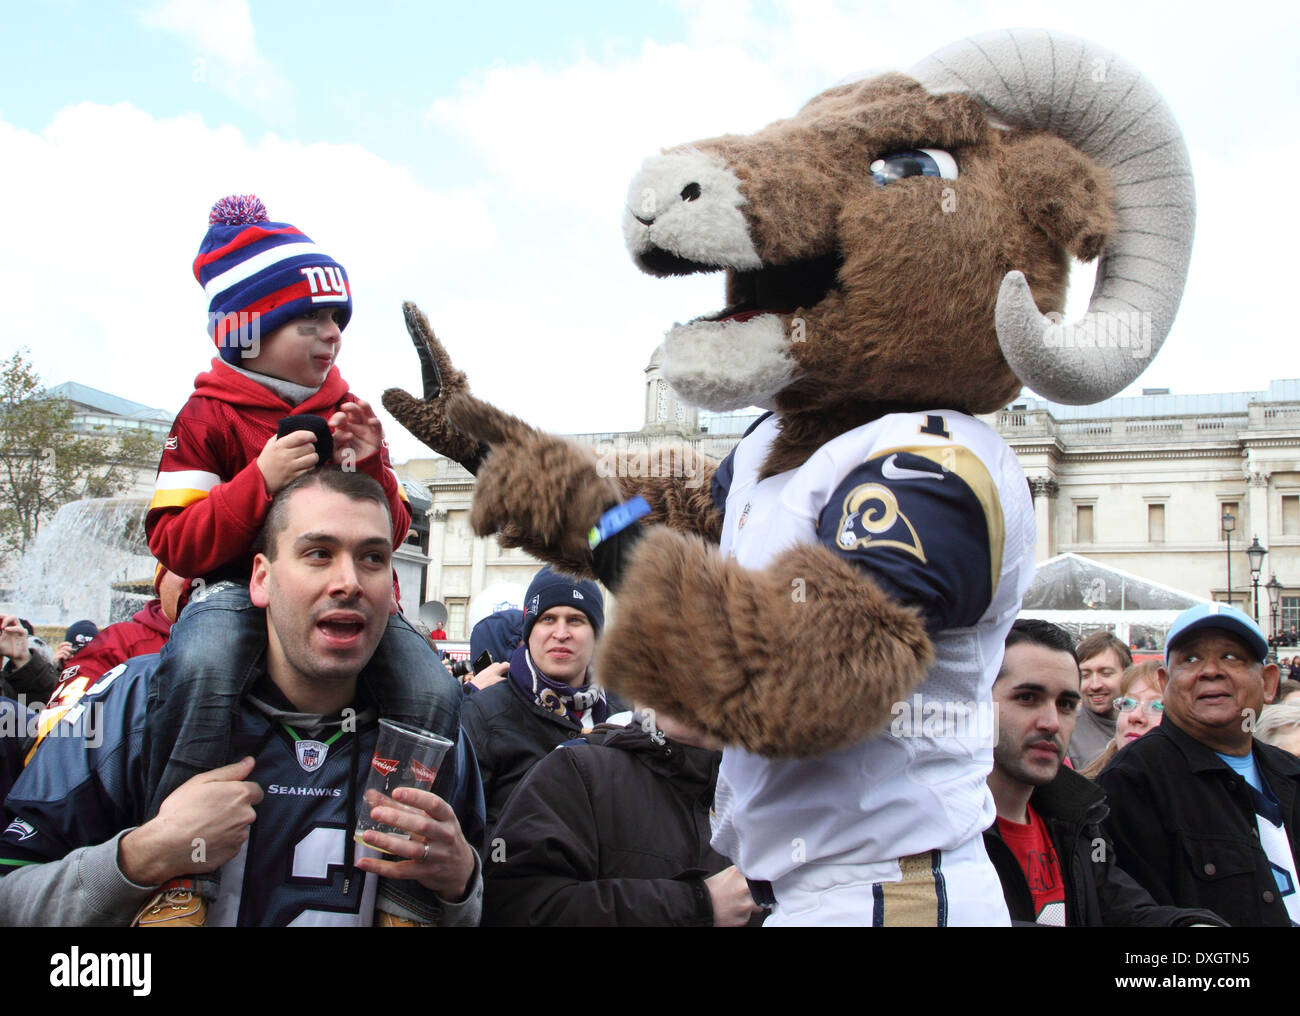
[935,510]
[298,864]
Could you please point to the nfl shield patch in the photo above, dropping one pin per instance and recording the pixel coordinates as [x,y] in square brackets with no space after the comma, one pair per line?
[311,754]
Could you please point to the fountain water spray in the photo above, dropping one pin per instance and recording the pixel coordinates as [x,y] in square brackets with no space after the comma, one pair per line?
[67,571]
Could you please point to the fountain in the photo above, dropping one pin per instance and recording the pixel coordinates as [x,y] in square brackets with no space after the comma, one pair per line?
[70,568]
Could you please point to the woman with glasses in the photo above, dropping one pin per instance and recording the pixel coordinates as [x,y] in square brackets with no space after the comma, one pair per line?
[1139,709]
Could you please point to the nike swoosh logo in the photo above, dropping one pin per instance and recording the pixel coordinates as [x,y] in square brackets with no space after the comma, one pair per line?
[892,472]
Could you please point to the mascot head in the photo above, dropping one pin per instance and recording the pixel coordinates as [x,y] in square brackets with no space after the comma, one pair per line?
[904,242]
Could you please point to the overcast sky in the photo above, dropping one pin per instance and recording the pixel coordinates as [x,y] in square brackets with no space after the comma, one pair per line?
[475,158]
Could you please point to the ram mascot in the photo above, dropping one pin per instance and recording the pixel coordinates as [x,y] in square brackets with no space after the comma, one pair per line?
[895,259]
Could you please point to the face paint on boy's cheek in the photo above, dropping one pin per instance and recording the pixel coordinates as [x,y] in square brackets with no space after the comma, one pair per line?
[309,328]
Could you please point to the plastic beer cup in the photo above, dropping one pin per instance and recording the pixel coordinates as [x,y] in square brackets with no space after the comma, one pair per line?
[405,756]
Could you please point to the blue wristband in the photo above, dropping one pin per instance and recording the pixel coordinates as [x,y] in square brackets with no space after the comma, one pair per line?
[617,519]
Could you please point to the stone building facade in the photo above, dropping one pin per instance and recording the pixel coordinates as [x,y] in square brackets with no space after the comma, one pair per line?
[1139,484]
[1143,483]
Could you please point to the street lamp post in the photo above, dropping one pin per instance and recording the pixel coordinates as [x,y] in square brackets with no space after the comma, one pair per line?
[1274,588]
[1255,552]
[1229,523]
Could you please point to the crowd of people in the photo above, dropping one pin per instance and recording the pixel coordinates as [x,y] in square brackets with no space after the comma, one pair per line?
[200,764]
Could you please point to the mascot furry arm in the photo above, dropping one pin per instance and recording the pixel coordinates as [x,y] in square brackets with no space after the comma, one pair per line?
[891,249]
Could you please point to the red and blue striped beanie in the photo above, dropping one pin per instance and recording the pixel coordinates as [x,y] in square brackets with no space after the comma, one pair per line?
[259,275]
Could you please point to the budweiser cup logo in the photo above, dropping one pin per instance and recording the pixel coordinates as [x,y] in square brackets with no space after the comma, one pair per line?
[387,766]
[422,774]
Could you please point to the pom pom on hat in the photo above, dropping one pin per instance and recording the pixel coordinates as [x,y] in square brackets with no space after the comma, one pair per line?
[238,210]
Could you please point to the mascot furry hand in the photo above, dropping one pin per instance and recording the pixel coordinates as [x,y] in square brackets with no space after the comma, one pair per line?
[896,257]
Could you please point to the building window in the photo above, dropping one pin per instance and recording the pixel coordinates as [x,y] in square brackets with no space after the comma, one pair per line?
[456,619]
[1234,509]
[1083,523]
[1155,523]
[1291,514]
[1288,622]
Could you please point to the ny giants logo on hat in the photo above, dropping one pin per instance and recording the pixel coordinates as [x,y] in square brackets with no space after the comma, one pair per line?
[326,282]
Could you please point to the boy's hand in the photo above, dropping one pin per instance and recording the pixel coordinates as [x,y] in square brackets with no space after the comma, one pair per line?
[284,459]
[357,432]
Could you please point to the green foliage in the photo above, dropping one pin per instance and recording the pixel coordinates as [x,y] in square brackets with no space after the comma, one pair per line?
[44,464]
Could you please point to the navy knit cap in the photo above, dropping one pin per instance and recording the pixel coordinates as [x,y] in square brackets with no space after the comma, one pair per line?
[551,589]
[499,633]
[253,269]
[81,634]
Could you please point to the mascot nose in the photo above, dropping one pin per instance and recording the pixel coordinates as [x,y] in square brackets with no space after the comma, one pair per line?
[691,192]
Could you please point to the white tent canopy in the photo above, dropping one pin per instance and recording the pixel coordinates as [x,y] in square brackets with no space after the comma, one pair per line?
[1083,596]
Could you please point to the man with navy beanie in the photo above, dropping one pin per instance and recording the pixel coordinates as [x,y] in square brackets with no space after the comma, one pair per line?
[549,696]
[1201,813]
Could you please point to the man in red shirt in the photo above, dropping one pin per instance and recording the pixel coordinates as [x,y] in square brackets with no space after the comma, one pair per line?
[1055,863]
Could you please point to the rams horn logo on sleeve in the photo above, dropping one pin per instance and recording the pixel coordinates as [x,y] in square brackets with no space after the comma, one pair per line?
[870,515]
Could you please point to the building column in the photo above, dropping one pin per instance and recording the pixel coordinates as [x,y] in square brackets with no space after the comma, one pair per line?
[478,567]
[1044,489]
[437,550]
[1257,491]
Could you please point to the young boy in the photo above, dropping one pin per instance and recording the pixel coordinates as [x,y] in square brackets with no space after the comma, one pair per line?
[277,308]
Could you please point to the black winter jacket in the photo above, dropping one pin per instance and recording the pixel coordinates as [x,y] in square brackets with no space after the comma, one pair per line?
[35,680]
[613,832]
[510,733]
[1097,891]
[1184,825]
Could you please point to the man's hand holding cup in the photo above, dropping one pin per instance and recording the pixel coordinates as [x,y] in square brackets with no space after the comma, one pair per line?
[436,854]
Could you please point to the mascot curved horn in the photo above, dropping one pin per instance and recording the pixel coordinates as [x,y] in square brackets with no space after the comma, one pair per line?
[1104,107]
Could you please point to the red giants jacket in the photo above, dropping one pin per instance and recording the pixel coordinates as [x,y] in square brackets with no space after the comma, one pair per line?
[210,499]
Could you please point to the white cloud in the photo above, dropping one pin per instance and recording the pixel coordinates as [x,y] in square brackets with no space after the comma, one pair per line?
[574,136]
[221,32]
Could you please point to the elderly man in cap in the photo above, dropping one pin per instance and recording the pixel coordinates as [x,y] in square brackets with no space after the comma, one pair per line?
[1202,813]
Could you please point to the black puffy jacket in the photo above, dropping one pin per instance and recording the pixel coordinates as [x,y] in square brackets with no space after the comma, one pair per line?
[510,734]
[34,681]
[1098,893]
[611,832]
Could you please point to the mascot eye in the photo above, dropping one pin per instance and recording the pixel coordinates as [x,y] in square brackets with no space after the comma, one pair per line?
[913,162]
